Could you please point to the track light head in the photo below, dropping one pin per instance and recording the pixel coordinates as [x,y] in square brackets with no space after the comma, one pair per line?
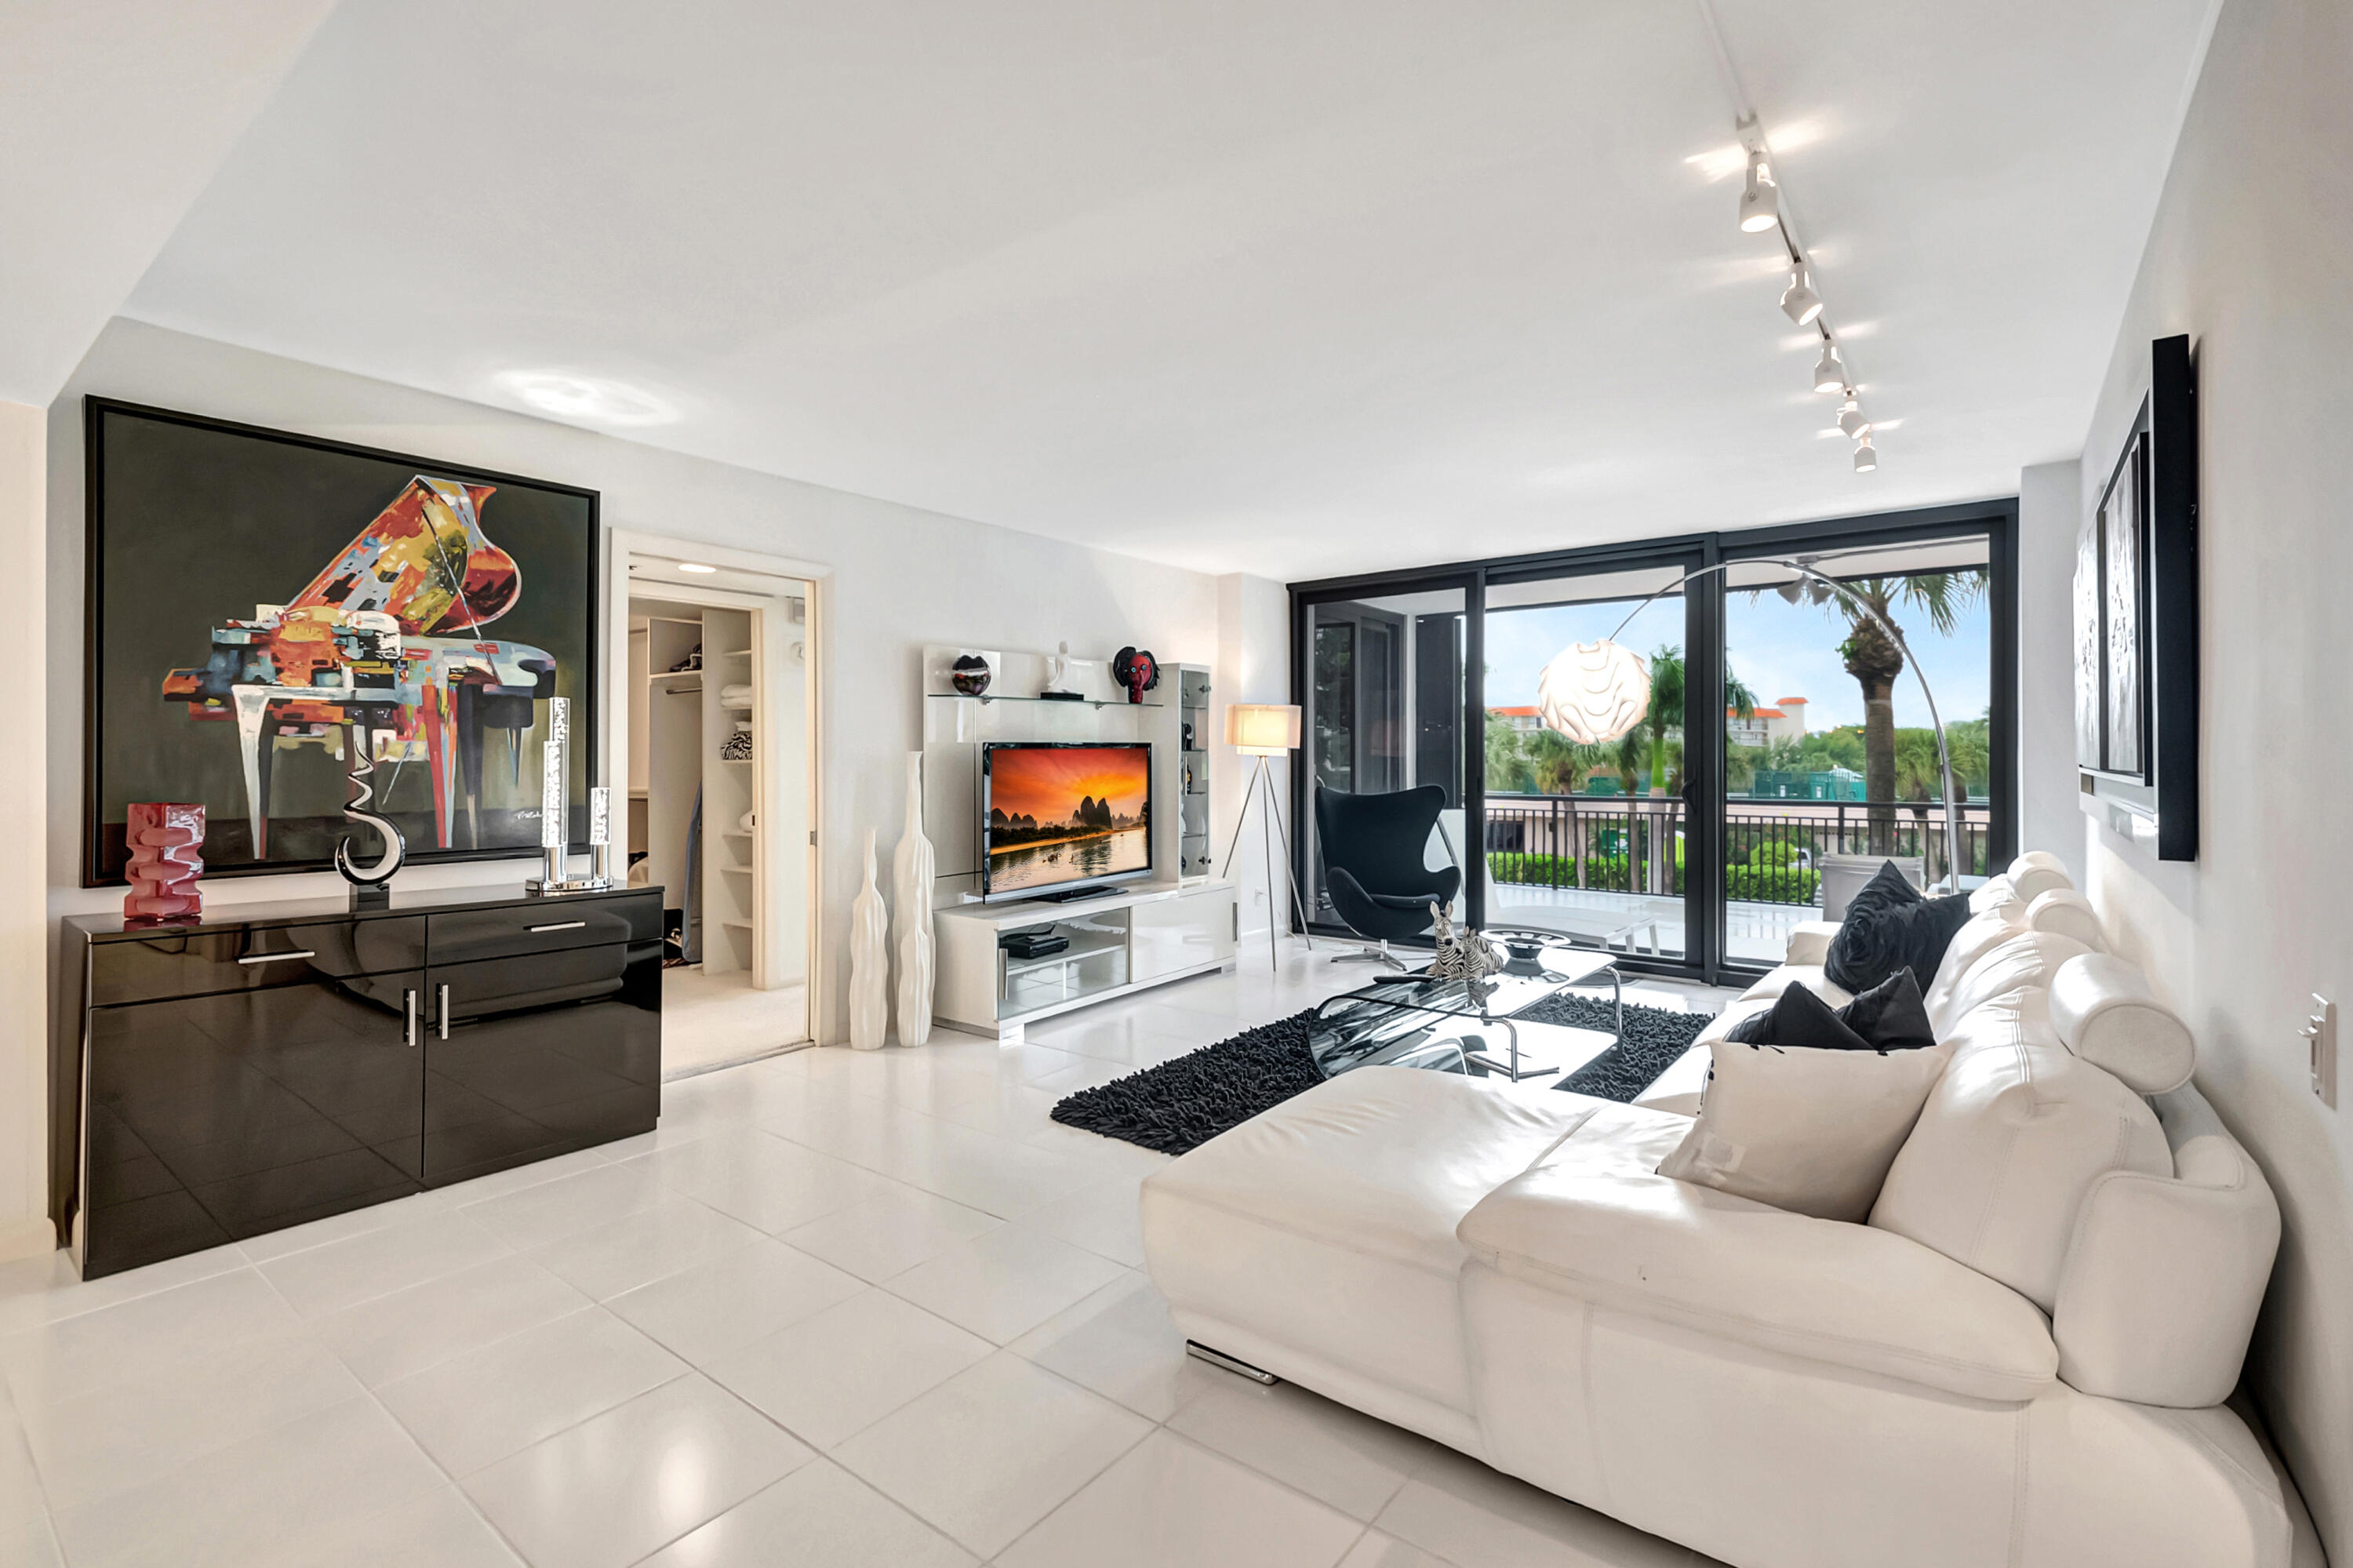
[1798,300]
[1760,198]
[1850,418]
[1830,372]
[1865,458]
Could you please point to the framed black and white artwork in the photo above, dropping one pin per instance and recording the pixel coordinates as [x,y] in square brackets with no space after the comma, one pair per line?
[2121,560]
[2135,620]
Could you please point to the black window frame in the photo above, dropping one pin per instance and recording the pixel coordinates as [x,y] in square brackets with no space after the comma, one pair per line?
[1704,959]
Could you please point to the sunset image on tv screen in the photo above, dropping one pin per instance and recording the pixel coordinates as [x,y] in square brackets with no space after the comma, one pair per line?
[1067,813]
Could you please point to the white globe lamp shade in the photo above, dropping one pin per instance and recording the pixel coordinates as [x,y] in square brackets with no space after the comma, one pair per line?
[1262,729]
[1594,692]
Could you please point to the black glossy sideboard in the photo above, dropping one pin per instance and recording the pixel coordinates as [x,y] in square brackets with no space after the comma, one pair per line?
[280,1063]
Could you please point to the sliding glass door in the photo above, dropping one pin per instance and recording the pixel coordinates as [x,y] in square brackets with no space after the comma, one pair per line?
[1593,840]
[1830,757]
[1384,701]
[1785,739]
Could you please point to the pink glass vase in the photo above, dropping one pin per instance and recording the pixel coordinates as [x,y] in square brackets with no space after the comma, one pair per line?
[164,837]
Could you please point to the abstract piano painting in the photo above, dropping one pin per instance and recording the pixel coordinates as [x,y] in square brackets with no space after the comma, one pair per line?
[261,603]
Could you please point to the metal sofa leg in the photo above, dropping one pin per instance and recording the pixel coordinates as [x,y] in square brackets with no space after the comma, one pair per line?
[1225,1362]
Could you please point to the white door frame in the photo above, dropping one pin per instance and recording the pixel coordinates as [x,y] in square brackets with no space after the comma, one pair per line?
[628,547]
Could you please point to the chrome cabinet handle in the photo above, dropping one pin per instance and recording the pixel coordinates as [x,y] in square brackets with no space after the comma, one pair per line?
[277,958]
[408,1018]
[560,925]
[445,1012]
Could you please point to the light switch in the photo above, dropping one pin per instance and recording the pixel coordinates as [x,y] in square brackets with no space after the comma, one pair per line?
[2319,1032]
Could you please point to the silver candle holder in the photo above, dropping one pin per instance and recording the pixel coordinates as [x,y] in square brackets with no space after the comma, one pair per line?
[600,835]
[553,874]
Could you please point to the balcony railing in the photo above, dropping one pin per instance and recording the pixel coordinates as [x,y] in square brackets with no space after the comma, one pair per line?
[1634,843]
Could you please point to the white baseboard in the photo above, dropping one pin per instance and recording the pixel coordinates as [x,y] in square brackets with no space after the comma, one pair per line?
[27,1238]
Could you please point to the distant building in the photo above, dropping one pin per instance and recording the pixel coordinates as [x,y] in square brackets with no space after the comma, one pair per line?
[1518,718]
[1785,720]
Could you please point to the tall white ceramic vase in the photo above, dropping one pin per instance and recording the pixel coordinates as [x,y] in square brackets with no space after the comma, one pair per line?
[869,962]
[912,870]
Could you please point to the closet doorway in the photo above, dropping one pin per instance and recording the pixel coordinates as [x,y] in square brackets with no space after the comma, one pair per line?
[717,751]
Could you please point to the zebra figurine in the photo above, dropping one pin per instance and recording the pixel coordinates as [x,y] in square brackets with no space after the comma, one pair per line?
[1464,955]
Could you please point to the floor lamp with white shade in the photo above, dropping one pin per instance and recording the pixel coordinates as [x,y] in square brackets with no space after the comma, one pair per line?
[1262,730]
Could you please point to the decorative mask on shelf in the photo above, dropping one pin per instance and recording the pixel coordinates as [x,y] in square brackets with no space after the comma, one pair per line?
[1137,670]
[970,674]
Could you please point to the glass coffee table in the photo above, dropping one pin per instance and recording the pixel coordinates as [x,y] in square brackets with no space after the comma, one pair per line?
[1471,1026]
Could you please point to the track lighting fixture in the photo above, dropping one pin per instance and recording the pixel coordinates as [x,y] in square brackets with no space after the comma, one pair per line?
[1830,372]
[1760,198]
[1798,300]
[1760,212]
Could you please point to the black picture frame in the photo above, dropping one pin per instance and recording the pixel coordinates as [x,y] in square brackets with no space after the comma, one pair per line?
[554,540]
[2151,787]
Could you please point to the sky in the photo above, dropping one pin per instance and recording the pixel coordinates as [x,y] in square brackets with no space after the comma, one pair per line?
[1047,783]
[1779,648]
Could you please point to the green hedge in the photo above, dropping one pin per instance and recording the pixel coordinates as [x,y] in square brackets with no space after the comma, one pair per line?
[1611,873]
[1772,885]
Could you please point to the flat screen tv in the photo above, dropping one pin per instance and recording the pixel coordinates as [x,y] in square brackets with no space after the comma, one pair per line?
[1059,818]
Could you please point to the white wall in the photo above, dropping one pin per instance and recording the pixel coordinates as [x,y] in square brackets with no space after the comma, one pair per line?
[902,577]
[2048,815]
[24,949]
[2247,255]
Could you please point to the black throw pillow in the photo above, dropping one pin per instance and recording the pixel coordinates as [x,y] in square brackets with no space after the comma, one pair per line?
[1799,1017]
[1891,1015]
[1890,926]
[1888,1017]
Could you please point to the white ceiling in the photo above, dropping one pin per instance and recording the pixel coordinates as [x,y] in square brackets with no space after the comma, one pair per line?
[114,113]
[1296,287]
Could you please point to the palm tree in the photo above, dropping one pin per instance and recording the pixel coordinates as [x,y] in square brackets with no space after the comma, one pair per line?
[1872,657]
[1919,780]
[1666,715]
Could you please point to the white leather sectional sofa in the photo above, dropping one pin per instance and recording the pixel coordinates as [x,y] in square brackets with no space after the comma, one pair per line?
[2020,1359]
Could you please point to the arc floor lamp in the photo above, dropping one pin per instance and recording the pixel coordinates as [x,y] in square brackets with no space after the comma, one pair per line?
[1595,691]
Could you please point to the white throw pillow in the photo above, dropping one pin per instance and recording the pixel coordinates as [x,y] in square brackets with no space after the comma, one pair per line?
[1811,1131]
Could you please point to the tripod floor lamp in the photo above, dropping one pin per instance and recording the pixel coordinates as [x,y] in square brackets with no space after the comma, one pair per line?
[1262,730]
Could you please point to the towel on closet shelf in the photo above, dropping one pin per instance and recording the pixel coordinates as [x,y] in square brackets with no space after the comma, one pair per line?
[738,695]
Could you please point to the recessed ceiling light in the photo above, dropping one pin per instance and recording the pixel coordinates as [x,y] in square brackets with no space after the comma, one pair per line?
[595,398]
[697,567]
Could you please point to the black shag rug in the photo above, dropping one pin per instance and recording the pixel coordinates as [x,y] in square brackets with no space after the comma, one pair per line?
[1188,1100]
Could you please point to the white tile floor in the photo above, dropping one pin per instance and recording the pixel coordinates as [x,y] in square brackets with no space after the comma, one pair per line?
[840,1309]
[711,1019]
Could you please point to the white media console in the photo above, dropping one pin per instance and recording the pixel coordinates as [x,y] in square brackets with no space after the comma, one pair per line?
[1122,939]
